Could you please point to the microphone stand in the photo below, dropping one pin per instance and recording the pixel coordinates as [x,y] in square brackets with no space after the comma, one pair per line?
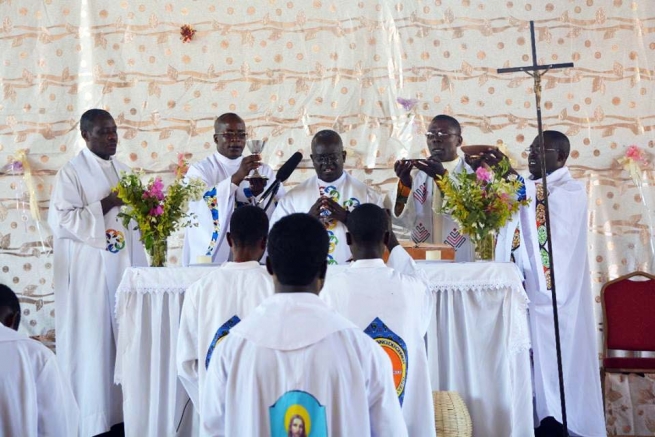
[271,191]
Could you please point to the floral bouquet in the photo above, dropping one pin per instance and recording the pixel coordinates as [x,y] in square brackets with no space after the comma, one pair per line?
[632,162]
[158,212]
[481,203]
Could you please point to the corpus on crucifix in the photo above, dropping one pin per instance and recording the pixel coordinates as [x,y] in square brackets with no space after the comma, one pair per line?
[554,227]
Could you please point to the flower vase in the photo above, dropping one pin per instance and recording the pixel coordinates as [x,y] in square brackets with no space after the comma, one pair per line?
[485,247]
[158,253]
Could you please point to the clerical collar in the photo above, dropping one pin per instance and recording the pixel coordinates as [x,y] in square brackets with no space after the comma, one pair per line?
[451,165]
[103,162]
[232,164]
[334,183]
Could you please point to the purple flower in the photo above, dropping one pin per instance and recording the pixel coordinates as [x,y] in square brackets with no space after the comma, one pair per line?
[156,211]
[155,190]
[13,167]
[483,175]
[407,104]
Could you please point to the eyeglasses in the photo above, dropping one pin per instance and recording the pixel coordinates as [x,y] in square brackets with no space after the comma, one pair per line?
[430,135]
[234,135]
[530,150]
[327,159]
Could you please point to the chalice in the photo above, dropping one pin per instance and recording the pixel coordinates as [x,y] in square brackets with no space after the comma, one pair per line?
[256,147]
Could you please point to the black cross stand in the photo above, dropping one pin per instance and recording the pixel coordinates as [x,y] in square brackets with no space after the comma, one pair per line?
[536,71]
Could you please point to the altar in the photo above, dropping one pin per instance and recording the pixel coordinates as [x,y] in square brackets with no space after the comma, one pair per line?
[478,345]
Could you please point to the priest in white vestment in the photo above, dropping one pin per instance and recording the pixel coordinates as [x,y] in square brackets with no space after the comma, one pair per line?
[329,195]
[392,308]
[224,174]
[91,251]
[35,397]
[217,302]
[418,198]
[567,200]
[294,366]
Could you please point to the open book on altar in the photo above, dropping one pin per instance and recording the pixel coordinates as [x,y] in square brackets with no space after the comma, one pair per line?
[426,251]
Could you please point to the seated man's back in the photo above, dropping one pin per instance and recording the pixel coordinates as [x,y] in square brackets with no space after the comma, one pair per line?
[294,366]
[392,308]
[220,300]
[294,355]
[35,398]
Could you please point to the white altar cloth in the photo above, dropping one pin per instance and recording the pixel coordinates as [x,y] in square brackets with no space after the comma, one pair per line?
[478,345]
[148,307]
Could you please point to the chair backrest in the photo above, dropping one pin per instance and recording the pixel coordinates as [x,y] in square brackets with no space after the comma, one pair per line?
[629,313]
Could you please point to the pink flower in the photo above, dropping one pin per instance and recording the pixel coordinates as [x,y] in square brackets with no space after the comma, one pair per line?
[407,104]
[635,153]
[156,189]
[483,175]
[182,166]
[156,211]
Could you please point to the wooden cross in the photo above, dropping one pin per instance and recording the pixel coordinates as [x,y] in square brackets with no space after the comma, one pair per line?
[536,71]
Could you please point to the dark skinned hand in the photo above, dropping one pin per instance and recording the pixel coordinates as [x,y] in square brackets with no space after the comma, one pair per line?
[248,164]
[431,166]
[337,211]
[403,170]
[110,202]
[315,210]
[493,157]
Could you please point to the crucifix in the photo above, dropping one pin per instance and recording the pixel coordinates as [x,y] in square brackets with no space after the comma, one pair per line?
[537,71]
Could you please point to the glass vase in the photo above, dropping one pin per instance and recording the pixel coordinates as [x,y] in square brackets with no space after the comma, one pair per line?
[485,247]
[158,253]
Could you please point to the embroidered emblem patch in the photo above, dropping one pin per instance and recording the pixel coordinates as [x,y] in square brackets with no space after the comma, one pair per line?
[299,414]
[219,336]
[420,234]
[455,239]
[351,203]
[421,193]
[396,350]
[115,240]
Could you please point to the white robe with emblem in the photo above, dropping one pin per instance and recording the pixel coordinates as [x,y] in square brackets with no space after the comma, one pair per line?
[91,251]
[568,216]
[346,191]
[368,290]
[208,238]
[422,219]
[35,397]
[209,308]
[293,343]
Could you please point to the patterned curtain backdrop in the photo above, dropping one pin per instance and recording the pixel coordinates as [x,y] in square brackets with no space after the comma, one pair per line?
[291,68]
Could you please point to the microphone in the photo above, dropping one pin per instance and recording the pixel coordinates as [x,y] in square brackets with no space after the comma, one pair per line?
[282,175]
[288,167]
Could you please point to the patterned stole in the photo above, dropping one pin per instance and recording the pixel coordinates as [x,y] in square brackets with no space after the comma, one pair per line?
[542,235]
[210,198]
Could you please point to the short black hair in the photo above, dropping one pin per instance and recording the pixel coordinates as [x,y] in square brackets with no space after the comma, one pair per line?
[248,226]
[227,117]
[9,304]
[451,120]
[297,249]
[90,116]
[327,137]
[367,224]
[558,140]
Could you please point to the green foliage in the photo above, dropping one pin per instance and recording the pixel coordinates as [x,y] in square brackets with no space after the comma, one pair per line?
[157,213]
[481,202]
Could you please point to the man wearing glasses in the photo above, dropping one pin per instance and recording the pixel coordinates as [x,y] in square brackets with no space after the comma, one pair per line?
[418,199]
[329,195]
[224,173]
[525,241]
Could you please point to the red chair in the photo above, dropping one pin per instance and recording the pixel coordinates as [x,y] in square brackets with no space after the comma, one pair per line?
[629,323]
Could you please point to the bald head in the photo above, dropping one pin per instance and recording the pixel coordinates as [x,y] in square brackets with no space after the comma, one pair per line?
[328,155]
[226,118]
[230,135]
